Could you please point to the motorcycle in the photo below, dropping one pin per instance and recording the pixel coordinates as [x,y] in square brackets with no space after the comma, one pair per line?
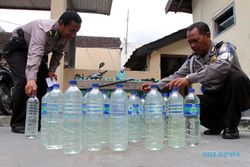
[97,75]
[6,88]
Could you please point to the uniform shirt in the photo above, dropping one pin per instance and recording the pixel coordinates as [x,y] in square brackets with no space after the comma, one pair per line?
[42,37]
[210,70]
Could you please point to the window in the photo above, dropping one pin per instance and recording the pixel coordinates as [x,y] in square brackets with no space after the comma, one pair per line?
[224,20]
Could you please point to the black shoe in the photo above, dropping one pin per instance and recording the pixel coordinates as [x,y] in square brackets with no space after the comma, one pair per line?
[212,132]
[231,133]
[19,129]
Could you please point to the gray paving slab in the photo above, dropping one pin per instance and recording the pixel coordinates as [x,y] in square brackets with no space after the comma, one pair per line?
[17,151]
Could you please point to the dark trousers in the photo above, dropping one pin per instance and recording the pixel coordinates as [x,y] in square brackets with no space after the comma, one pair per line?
[223,109]
[17,61]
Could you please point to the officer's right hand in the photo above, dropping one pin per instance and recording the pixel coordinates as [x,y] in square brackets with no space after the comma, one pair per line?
[145,87]
[31,88]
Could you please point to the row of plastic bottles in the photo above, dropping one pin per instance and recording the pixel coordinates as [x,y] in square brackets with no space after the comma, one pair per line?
[70,121]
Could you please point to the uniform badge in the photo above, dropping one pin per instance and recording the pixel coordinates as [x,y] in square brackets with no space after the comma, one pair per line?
[213,58]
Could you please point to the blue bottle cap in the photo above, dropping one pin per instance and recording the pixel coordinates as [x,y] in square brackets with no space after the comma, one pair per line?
[165,94]
[72,82]
[175,89]
[154,86]
[49,89]
[133,92]
[56,86]
[191,90]
[95,85]
[119,85]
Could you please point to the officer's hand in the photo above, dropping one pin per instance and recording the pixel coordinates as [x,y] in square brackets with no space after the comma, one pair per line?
[52,75]
[178,83]
[146,87]
[31,88]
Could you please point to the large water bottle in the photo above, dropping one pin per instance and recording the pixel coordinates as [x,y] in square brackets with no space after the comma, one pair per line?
[142,113]
[134,118]
[166,114]
[106,113]
[118,120]
[94,119]
[84,111]
[32,113]
[44,114]
[192,114]
[154,136]
[121,75]
[176,122]
[72,120]
[54,119]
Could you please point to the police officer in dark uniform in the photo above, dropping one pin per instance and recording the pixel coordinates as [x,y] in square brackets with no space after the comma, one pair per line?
[225,87]
[27,54]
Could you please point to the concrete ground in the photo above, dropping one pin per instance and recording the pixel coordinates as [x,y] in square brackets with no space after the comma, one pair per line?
[17,151]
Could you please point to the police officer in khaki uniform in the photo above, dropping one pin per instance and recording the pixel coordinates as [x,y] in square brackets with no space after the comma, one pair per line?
[225,87]
[27,54]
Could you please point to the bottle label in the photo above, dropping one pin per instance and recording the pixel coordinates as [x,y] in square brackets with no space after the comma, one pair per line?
[106,109]
[154,109]
[133,109]
[176,109]
[44,109]
[191,109]
[118,110]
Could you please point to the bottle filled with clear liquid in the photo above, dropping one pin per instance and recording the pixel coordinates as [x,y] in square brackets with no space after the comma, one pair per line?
[134,118]
[84,111]
[32,117]
[106,113]
[176,122]
[44,114]
[165,114]
[121,75]
[94,119]
[142,113]
[72,120]
[118,120]
[154,135]
[192,115]
[53,122]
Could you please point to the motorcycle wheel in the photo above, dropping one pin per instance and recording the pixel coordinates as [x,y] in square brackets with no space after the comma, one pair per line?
[5,98]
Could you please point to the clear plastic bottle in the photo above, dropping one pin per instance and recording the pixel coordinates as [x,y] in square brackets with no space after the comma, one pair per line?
[106,113]
[32,113]
[176,122]
[166,114]
[44,114]
[142,113]
[72,120]
[84,111]
[121,75]
[118,120]
[154,136]
[54,119]
[192,115]
[134,118]
[94,119]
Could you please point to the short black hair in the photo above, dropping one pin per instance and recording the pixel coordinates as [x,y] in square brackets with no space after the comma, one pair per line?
[201,26]
[69,16]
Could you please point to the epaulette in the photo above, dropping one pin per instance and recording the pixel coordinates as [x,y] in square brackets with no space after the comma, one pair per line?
[54,34]
[218,45]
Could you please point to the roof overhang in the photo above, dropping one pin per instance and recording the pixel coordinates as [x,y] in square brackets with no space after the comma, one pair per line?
[86,6]
[179,6]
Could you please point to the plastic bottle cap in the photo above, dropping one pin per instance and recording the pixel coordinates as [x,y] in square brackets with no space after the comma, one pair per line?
[56,86]
[49,89]
[154,86]
[165,94]
[95,85]
[72,82]
[191,90]
[175,89]
[119,86]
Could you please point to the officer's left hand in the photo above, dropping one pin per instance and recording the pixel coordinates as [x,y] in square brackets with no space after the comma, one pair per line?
[178,83]
[31,88]
[52,75]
